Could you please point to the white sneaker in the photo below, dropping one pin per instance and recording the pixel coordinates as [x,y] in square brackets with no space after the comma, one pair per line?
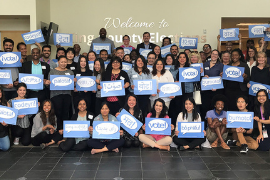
[16,141]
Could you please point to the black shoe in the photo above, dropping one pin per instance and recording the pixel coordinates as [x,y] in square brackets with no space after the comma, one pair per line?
[231,142]
[43,146]
[244,149]
[181,148]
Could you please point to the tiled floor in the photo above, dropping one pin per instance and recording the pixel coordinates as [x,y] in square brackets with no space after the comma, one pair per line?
[22,163]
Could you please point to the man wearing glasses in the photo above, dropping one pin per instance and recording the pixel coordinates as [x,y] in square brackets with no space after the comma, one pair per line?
[207,51]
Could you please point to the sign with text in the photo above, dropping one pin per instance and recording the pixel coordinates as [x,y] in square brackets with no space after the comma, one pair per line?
[106,130]
[126,66]
[63,39]
[189,74]
[266,36]
[144,52]
[188,43]
[26,106]
[165,50]
[33,81]
[5,77]
[150,67]
[76,129]
[112,88]
[211,83]
[145,87]
[97,47]
[10,59]
[91,65]
[161,126]
[129,122]
[169,89]
[33,37]
[258,30]
[86,83]
[238,119]
[191,129]
[8,115]
[62,82]
[233,73]
[255,87]
[127,50]
[230,34]
[198,65]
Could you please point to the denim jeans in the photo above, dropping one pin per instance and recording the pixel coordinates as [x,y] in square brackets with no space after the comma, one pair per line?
[4,143]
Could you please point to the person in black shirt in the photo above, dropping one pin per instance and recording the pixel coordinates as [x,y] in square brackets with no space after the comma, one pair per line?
[70,59]
[4,139]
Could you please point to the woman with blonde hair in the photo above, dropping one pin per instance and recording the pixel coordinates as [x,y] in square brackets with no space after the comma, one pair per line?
[194,58]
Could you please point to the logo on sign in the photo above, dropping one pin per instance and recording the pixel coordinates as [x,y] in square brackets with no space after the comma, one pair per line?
[31,80]
[267,34]
[116,86]
[86,82]
[4,75]
[258,30]
[76,127]
[33,35]
[9,58]
[191,128]
[126,67]
[190,73]
[158,125]
[145,53]
[233,72]
[188,42]
[228,33]
[129,121]
[25,104]
[256,87]
[62,81]
[6,113]
[62,38]
[209,82]
[144,85]
[106,128]
[169,88]
[240,118]
[98,48]
[165,50]
[126,51]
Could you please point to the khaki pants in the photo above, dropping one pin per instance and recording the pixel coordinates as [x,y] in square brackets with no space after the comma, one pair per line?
[252,144]
[149,140]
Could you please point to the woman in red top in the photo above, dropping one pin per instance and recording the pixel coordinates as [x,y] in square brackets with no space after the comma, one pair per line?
[159,110]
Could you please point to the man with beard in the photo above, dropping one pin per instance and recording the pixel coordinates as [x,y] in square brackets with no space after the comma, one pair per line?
[146,43]
[46,53]
[174,51]
[36,67]
[102,39]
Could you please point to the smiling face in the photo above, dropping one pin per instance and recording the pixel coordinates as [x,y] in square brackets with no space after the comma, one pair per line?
[35,54]
[126,40]
[219,105]
[169,60]
[70,55]
[261,59]
[97,66]
[189,106]
[62,63]
[83,62]
[139,63]
[229,46]
[21,92]
[47,107]
[91,56]
[226,58]
[214,55]
[8,47]
[120,53]
[60,53]
[166,42]
[146,37]
[46,52]
[158,107]
[104,110]
[102,33]
[127,58]
[174,50]
[159,66]
[241,104]
[194,59]
[235,56]
[206,49]
[251,53]
[182,59]
[103,55]
[157,50]
[262,97]
[82,105]
[115,65]
[23,50]
[131,102]
[151,59]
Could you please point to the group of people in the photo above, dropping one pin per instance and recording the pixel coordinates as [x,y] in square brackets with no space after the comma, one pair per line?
[46,127]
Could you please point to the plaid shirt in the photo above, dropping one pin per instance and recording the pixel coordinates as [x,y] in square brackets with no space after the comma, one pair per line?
[113,98]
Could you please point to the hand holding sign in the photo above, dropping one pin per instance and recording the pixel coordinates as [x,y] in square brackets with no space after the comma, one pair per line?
[10,59]
[106,130]
[160,126]
[191,129]
[240,119]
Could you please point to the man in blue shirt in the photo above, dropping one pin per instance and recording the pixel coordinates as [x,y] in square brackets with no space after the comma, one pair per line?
[146,44]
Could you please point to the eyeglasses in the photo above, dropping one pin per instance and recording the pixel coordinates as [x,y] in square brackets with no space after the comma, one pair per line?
[116,62]
[206,48]
[126,39]
[261,95]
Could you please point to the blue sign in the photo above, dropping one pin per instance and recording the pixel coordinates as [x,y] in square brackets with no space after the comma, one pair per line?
[112,88]
[55,60]
[8,115]
[189,74]
[233,73]
[126,66]
[97,47]
[229,34]
[188,43]
[211,83]
[91,65]
[106,64]
[258,30]
[62,82]
[106,130]
[191,129]
[5,77]
[144,52]
[33,37]
[198,65]
[127,50]
[165,50]
[86,83]
[129,122]
[33,81]
[26,106]
[63,39]
[267,36]
[238,119]
[76,129]
[145,87]
[150,67]
[169,89]
[161,126]
[168,67]
[255,87]
[10,59]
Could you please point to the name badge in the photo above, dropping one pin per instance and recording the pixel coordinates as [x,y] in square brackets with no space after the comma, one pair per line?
[72,68]
[67,73]
[135,76]
[122,78]
[206,68]
[90,116]
[43,67]
[78,74]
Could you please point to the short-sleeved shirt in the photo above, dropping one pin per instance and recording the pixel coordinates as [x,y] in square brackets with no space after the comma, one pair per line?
[213,71]
[213,114]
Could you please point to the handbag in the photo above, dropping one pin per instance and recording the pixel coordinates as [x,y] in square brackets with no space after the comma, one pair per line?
[197,94]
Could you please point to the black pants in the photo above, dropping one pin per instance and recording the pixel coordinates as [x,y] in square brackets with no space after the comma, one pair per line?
[10,94]
[191,142]
[129,143]
[41,95]
[110,144]
[43,137]
[61,105]
[144,104]
[82,95]
[98,103]
[232,95]
[70,144]
[114,107]
[23,133]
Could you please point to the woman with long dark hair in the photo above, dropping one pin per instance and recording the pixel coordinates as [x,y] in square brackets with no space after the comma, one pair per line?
[251,57]
[188,114]
[44,131]
[4,138]
[70,59]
